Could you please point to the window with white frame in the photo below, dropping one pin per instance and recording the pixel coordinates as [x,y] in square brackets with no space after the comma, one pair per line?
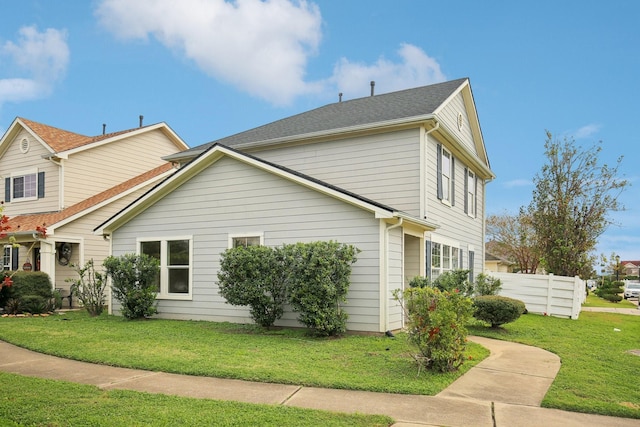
[175,256]
[6,258]
[443,257]
[446,175]
[247,239]
[471,194]
[24,186]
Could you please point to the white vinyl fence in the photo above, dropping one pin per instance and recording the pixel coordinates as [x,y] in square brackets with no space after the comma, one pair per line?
[544,294]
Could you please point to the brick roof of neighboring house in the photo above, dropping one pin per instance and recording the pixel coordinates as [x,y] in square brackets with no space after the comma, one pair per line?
[398,105]
[29,222]
[62,140]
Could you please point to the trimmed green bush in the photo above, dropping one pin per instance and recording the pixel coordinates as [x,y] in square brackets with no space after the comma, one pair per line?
[317,283]
[497,310]
[436,325]
[254,276]
[611,297]
[30,292]
[134,282]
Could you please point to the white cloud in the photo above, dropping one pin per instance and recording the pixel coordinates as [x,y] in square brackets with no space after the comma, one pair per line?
[415,69]
[587,131]
[42,56]
[261,47]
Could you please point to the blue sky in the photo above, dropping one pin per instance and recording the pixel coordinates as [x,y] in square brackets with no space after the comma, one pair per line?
[211,68]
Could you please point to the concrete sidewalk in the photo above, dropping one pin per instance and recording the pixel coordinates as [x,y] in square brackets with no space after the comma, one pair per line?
[503,390]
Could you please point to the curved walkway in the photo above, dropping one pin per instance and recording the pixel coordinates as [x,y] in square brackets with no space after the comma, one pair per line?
[503,390]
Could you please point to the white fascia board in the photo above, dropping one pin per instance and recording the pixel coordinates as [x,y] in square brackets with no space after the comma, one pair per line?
[10,134]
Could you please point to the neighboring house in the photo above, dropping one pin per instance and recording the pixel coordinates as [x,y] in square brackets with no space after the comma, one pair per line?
[69,184]
[400,175]
[495,264]
[630,268]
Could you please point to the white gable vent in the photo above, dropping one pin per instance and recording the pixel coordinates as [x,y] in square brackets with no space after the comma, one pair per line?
[460,121]
[24,145]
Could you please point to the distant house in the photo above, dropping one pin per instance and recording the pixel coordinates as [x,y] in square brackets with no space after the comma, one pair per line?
[400,175]
[70,183]
[630,268]
[496,264]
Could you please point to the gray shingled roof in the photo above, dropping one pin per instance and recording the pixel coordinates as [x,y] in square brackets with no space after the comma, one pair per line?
[357,112]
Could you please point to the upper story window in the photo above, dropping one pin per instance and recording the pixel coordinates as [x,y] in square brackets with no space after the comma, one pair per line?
[470,191]
[23,186]
[446,175]
[175,256]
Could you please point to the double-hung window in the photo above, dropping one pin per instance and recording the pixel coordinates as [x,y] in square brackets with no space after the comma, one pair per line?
[446,175]
[443,258]
[176,259]
[6,258]
[23,186]
[470,190]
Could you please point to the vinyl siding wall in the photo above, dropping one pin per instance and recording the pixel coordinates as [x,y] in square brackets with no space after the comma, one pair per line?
[383,167]
[396,274]
[454,223]
[87,245]
[449,116]
[233,198]
[91,171]
[15,161]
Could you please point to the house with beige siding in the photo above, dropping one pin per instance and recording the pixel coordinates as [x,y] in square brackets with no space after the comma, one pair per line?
[68,184]
[400,175]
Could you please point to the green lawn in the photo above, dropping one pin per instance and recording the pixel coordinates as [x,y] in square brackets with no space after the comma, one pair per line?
[596,301]
[598,373]
[28,401]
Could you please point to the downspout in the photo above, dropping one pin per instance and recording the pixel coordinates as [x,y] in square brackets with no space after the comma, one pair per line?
[385,291]
[423,172]
[60,179]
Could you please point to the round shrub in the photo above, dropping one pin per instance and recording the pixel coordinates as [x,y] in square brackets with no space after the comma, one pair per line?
[611,297]
[497,310]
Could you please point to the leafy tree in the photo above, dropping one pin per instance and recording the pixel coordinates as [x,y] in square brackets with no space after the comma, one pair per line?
[514,238]
[572,200]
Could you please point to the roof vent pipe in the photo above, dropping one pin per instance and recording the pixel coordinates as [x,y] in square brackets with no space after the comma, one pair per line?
[141,117]
[340,97]
[104,128]
[373,83]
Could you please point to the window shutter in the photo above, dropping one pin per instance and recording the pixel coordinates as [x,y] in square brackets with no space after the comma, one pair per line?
[439,171]
[7,190]
[40,185]
[466,190]
[471,262]
[475,195]
[428,258]
[453,181]
[15,257]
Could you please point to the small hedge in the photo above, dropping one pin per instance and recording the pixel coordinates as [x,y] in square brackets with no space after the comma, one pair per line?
[497,310]
[30,292]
